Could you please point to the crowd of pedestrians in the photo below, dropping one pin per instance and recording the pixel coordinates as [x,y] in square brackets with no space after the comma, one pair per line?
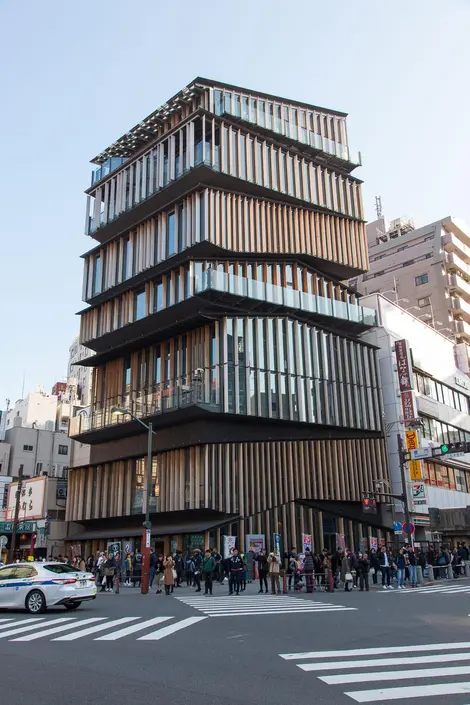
[324,570]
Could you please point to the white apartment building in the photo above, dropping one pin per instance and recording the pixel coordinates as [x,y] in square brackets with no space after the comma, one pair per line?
[39,450]
[426,270]
[439,401]
[34,411]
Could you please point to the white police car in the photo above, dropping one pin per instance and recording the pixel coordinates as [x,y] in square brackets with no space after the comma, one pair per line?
[36,586]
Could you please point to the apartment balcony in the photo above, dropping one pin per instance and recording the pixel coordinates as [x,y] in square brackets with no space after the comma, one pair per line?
[459,286]
[451,243]
[462,330]
[459,307]
[231,295]
[454,263]
[161,404]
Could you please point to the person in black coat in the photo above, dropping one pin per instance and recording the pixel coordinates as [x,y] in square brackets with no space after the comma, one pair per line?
[263,569]
[362,571]
[374,563]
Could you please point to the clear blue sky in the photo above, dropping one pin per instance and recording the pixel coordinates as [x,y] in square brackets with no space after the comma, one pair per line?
[77,74]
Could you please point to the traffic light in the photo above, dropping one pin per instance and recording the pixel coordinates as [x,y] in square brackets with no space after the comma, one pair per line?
[369,503]
[457,447]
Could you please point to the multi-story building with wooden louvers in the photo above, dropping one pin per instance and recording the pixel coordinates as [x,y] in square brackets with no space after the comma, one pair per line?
[224,223]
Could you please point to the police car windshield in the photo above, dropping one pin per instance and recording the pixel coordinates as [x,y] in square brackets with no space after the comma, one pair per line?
[60,568]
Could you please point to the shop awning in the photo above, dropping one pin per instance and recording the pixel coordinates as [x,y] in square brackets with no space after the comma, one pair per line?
[190,526]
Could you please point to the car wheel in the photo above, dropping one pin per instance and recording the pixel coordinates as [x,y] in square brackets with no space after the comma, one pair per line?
[36,602]
[72,605]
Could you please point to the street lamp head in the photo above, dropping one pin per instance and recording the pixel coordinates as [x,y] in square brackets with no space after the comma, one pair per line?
[119,410]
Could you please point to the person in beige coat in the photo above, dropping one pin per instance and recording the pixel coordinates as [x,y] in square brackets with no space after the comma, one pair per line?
[168,574]
[274,570]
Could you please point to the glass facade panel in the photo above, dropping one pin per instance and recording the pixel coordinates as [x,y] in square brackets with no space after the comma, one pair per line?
[139,305]
[171,235]
[96,275]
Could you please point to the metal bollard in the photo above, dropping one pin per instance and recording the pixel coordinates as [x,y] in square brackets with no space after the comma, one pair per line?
[450,572]
[284,584]
[467,569]
[419,575]
[431,573]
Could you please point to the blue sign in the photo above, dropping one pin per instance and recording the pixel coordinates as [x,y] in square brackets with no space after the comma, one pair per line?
[397,526]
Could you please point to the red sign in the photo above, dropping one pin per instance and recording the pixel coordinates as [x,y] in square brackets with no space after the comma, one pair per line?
[405,378]
[408,407]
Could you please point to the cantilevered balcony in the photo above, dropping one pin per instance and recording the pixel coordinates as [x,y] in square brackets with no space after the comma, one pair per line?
[216,294]
[458,285]
[455,263]
[459,307]
[462,330]
[451,243]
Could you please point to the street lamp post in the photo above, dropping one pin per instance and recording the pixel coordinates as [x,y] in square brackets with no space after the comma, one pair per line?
[147,525]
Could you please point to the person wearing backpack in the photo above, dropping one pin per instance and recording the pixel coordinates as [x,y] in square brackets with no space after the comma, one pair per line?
[208,568]
[219,569]
[309,569]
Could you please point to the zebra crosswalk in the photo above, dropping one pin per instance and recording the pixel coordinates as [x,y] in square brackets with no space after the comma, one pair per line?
[430,589]
[72,628]
[244,605]
[386,665]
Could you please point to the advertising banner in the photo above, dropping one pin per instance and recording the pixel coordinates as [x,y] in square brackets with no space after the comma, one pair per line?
[113,547]
[411,438]
[277,543]
[255,542]
[419,493]
[408,405]
[229,543]
[306,542]
[31,501]
[373,543]
[416,470]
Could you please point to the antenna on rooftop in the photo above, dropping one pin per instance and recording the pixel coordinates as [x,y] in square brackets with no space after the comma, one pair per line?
[378,206]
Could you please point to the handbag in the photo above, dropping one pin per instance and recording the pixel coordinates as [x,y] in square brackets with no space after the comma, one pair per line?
[372,571]
[348,577]
[175,575]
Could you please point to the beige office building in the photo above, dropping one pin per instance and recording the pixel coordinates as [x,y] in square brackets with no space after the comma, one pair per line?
[426,271]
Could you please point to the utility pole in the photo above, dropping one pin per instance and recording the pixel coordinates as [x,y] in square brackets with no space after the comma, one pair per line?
[401,456]
[17,514]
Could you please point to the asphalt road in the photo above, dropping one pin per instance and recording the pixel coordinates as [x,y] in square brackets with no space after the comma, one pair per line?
[251,649]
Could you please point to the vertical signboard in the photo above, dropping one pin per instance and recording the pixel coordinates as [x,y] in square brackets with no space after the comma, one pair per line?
[405,377]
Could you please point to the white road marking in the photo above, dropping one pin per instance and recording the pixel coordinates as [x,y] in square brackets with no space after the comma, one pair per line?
[244,605]
[96,628]
[435,658]
[132,629]
[165,631]
[379,651]
[11,622]
[55,630]
[396,675]
[429,589]
[254,613]
[30,627]
[402,668]
[414,691]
